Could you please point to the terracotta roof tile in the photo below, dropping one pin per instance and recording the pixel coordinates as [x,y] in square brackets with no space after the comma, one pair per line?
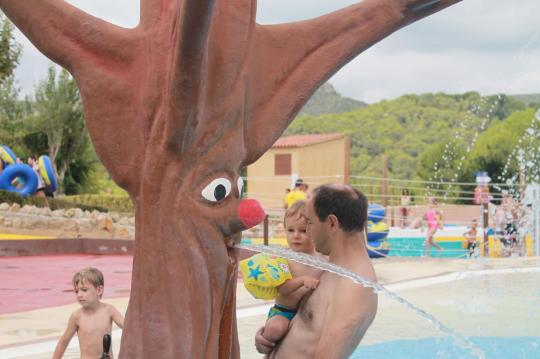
[306,140]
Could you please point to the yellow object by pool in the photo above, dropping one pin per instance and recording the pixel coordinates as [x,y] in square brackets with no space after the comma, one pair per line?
[13,237]
[263,273]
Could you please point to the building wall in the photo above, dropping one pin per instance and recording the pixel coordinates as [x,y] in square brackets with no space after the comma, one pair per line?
[326,159]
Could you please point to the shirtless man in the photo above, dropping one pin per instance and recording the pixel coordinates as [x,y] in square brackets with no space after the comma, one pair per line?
[332,320]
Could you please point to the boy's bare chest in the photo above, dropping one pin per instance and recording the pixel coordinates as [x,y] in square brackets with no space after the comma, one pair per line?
[90,325]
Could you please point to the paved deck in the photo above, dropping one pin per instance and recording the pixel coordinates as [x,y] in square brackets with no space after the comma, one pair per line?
[36,297]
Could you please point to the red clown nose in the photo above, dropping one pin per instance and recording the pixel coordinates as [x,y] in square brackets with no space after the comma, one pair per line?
[250,213]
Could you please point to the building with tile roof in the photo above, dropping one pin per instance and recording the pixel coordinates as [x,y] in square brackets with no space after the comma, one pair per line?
[316,158]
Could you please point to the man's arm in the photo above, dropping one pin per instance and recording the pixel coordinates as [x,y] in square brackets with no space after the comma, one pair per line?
[349,315]
[66,337]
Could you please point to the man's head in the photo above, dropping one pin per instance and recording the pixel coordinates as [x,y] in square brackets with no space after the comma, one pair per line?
[88,284]
[299,184]
[31,160]
[333,209]
[474,223]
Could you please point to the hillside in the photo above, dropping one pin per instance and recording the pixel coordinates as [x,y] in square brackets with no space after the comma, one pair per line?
[403,128]
[528,99]
[327,100]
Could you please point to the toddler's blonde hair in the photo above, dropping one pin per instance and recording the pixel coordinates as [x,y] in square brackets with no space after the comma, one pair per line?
[296,210]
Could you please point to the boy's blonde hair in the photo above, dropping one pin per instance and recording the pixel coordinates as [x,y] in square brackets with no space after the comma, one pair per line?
[91,275]
[296,210]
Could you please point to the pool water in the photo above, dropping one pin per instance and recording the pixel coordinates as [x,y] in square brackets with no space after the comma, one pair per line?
[429,348]
[499,312]
[415,247]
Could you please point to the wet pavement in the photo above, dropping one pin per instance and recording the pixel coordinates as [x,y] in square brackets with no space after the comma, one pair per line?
[36,297]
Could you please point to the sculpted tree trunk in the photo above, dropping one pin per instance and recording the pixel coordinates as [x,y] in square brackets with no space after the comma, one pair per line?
[175,108]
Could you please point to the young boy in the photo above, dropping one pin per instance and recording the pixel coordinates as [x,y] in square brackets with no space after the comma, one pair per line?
[290,280]
[93,320]
[470,236]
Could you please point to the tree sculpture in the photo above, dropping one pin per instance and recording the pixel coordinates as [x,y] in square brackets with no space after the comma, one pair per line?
[175,108]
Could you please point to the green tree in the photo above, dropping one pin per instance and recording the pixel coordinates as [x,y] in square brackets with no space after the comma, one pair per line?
[10,50]
[58,113]
[10,107]
[507,147]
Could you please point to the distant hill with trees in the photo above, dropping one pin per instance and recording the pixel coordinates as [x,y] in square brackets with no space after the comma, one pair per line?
[528,100]
[327,100]
[436,137]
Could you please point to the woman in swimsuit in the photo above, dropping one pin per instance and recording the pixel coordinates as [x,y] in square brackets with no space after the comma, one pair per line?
[433,217]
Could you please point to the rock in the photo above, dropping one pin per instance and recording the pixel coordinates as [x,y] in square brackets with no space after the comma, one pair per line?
[115,216]
[105,222]
[27,209]
[132,221]
[79,213]
[124,221]
[46,211]
[70,213]
[122,233]
[17,223]
[4,206]
[58,213]
[85,225]
[31,223]
[15,207]
[55,223]
[70,225]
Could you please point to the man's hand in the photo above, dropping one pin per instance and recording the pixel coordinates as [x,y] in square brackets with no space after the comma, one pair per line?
[311,283]
[262,345]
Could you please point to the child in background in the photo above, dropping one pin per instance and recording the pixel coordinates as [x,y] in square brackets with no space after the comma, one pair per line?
[470,236]
[93,320]
[433,217]
[271,277]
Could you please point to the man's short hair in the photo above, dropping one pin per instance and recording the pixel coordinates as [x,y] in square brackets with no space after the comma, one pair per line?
[91,275]
[299,182]
[348,204]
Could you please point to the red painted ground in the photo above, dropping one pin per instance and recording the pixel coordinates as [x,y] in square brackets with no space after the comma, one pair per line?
[28,283]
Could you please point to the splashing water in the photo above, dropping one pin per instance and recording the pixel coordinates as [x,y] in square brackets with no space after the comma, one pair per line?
[312,261]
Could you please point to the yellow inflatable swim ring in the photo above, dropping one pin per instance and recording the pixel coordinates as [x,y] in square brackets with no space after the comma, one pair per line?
[263,273]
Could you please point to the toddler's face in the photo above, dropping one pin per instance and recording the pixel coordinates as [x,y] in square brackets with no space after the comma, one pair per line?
[297,237]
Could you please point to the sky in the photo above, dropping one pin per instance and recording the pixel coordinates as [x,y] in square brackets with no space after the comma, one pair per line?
[489,46]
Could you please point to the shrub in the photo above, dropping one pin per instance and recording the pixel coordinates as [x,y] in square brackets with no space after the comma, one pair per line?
[52,203]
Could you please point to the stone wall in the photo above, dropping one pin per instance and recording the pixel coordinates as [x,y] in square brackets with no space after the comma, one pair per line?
[68,223]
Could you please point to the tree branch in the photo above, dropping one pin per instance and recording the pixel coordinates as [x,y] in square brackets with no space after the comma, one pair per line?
[290,61]
[66,34]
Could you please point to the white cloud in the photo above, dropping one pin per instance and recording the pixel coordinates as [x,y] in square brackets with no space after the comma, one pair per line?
[488,46]
[375,75]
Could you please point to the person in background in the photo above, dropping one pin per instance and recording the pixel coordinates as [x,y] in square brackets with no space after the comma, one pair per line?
[404,209]
[40,191]
[470,236]
[433,217]
[298,193]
